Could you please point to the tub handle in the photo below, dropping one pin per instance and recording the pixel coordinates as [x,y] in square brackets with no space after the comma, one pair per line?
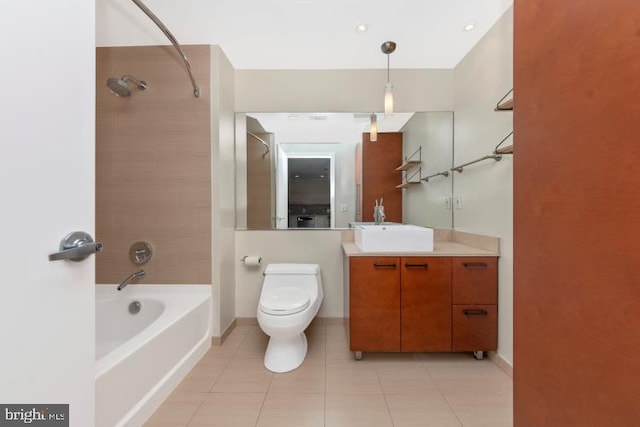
[76,246]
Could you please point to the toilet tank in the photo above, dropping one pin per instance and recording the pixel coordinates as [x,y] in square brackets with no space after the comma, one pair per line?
[294,269]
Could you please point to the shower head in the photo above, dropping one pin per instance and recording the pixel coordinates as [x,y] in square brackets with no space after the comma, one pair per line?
[120,86]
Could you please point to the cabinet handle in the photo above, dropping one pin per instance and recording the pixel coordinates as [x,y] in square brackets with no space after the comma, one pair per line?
[408,265]
[380,265]
[475,265]
[475,312]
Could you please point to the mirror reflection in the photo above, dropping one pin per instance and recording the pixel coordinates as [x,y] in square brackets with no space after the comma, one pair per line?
[322,170]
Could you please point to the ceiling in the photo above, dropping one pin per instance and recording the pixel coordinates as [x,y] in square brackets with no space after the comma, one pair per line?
[324,127]
[308,34]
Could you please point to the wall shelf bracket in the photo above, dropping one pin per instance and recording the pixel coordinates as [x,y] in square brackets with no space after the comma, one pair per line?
[505,103]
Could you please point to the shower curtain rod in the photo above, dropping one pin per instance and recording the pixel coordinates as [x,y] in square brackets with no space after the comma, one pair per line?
[261,141]
[165,30]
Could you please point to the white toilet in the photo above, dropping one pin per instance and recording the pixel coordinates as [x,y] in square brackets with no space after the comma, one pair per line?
[290,299]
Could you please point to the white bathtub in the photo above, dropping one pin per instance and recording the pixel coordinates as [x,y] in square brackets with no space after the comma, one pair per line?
[140,358]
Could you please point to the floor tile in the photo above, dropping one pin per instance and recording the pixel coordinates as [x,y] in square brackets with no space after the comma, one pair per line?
[360,382]
[223,421]
[196,385]
[421,410]
[308,378]
[253,345]
[356,404]
[350,420]
[176,413]
[300,404]
[232,404]
[244,375]
[482,414]
[291,421]
[230,387]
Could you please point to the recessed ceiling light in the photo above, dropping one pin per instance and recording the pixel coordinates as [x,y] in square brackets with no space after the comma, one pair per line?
[362,28]
[469,27]
[293,117]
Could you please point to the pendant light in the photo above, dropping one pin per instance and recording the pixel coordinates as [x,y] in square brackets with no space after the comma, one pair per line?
[373,130]
[388,48]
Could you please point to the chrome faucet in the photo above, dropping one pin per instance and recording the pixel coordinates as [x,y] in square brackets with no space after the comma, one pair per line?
[378,212]
[135,275]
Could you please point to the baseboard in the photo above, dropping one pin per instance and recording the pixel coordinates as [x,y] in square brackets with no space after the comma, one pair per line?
[324,321]
[217,341]
[501,363]
[246,321]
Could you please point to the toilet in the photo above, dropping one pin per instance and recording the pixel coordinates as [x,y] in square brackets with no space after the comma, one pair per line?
[290,298]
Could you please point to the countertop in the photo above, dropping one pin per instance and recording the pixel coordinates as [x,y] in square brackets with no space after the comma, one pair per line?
[447,243]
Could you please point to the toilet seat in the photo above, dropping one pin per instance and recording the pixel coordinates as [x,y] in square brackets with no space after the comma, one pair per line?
[284,300]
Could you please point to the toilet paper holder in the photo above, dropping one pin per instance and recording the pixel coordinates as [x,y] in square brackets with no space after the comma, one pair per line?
[251,261]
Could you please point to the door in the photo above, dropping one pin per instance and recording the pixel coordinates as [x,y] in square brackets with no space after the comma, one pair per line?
[47,190]
[576,213]
[380,177]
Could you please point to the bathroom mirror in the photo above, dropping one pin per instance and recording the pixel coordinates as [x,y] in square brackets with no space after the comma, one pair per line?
[298,170]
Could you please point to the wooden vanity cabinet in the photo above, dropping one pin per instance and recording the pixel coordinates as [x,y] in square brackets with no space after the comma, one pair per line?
[421,304]
[475,298]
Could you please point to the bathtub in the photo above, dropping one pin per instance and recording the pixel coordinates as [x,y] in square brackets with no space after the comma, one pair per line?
[141,357]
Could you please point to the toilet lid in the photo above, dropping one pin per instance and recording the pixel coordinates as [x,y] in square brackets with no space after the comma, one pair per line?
[285,300]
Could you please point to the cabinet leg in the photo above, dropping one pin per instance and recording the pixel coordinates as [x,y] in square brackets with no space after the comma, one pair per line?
[478,355]
[357,355]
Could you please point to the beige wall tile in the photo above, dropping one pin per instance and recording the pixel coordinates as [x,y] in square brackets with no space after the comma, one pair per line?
[153,173]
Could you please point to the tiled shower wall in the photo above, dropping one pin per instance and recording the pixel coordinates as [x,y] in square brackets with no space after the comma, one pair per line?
[153,165]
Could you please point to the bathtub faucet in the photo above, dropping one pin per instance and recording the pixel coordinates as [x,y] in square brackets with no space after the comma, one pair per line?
[135,275]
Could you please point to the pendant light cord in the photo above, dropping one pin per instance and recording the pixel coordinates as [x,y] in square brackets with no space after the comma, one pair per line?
[388,79]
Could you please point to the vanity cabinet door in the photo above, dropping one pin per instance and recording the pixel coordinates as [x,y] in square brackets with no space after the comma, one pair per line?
[475,327]
[475,280]
[426,304]
[374,303]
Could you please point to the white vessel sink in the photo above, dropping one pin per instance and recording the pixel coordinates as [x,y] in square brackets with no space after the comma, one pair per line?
[394,238]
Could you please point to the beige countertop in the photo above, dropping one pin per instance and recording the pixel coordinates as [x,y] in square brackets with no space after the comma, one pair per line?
[447,243]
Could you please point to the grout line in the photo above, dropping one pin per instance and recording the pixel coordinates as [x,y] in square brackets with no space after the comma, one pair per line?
[384,394]
[194,414]
[443,395]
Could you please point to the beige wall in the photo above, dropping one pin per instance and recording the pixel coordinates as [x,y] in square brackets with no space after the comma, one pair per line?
[260,197]
[486,188]
[153,176]
[342,90]
[300,246]
[223,190]
[424,204]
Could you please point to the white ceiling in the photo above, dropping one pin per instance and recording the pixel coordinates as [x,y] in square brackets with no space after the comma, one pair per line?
[326,127]
[308,34]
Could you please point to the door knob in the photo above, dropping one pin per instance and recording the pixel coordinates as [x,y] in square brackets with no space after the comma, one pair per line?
[76,246]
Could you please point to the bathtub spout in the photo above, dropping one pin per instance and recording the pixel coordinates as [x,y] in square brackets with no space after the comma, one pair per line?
[135,275]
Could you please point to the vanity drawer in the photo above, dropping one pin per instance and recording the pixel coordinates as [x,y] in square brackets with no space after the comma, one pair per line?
[475,280]
[475,327]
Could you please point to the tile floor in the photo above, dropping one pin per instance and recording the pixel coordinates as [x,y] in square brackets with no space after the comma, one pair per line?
[231,388]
